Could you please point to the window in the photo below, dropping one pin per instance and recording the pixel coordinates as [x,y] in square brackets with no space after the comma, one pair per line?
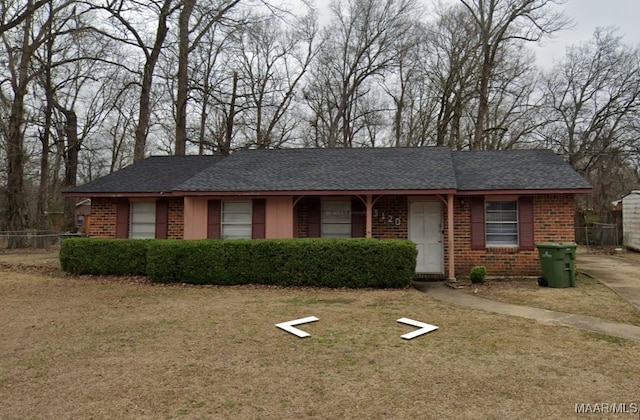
[143,220]
[336,219]
[236,219]
[501,223]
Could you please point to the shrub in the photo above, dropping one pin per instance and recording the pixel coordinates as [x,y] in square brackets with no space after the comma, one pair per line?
[174,261]
[477,274]
[120,257]
[351,263]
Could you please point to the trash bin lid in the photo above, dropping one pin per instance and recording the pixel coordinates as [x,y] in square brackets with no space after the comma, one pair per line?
[556,245]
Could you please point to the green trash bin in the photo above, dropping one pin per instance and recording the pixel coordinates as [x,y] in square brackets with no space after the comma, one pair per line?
[557,261]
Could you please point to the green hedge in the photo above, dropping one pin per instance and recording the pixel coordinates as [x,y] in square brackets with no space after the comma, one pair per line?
[121,257]
[351,263]
[354,263]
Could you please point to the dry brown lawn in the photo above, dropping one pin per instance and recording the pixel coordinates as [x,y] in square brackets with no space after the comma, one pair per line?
[588,297]
[82,347]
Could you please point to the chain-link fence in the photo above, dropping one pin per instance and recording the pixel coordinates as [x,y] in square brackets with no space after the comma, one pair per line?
[599,234]
[33,238]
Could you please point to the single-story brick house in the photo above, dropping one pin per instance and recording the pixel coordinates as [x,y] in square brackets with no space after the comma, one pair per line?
[489,207]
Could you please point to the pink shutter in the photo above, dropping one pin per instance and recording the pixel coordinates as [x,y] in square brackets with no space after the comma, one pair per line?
[122,218]
[525,223]
[162,219]
[213,219]
[258,216]
[314,218]
[477,223]
[358,219]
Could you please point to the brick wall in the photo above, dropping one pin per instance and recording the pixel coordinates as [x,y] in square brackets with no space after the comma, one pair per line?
[176,219]
[102,222]
[302,215]
[553,222]
[390,217]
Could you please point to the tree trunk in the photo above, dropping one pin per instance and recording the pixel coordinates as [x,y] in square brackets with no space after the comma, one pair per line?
[183,76]
[16,218]
[45,134]
[144,114]
[16,206]
[230,120]
[397,123]
[70,165]
[483,101]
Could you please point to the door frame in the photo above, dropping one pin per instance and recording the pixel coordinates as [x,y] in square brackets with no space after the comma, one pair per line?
[430,200]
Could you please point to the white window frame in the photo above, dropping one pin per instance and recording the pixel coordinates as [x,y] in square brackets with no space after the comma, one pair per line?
[242,220]
[142,221]
[500,213]
[335,216]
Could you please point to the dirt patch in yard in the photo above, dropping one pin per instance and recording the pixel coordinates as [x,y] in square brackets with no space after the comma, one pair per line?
[79,348]
[33,259]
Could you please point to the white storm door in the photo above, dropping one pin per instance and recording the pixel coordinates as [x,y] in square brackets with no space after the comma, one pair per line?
[425,229]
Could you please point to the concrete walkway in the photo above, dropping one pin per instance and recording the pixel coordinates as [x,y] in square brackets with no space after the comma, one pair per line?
[444,293]
[620,275]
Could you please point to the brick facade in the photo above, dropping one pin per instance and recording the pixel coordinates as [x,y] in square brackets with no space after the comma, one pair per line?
[102,221]
[390,217]
[301,214]
[176,219]
[389,221]
[553,222]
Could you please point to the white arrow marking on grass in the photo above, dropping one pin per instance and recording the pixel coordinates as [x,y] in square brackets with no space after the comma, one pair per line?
[424,328]
[288,326]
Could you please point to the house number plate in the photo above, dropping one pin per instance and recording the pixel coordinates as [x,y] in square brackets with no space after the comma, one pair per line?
[385,217]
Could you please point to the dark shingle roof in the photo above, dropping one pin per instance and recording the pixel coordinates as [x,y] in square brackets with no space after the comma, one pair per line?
[151,175]
[514,170]
[427,168]
[385,169]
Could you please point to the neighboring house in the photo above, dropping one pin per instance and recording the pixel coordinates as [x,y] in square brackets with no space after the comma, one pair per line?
[631,220]
[490,207]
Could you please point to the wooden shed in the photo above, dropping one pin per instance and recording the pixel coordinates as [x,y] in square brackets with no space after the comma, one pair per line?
[631,220]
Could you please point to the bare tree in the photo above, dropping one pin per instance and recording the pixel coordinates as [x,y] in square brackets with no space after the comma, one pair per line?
[593,99]
[130,21]
[20,45]
[359,46]
[514,103]
[210,14]
[451,67]
[412,113]
[502,22]
[14,13]
[272,59]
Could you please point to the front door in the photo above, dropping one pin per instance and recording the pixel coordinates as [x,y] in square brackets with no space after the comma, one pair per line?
[425,229]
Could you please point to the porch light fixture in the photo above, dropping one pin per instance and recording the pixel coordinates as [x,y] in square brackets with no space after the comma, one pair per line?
[462,202]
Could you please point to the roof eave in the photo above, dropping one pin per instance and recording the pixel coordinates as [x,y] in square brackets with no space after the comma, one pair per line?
[133,194]
[527,191]
[314,192]
[116,194]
